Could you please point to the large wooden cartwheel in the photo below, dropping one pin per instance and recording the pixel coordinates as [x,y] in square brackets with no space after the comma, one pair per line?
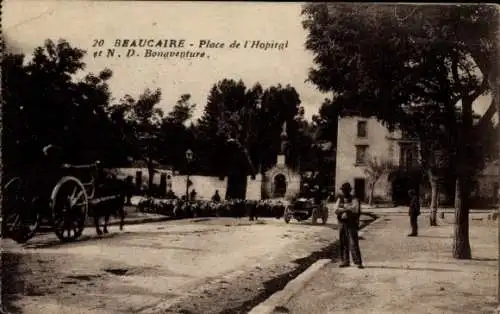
[21,216]
[69,203]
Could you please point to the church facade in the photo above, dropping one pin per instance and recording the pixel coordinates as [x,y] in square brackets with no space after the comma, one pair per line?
[278,182]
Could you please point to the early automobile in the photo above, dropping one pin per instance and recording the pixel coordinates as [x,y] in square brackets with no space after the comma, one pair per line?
[304,208]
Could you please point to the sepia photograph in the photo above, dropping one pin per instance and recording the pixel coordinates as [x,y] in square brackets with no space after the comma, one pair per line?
[249,157]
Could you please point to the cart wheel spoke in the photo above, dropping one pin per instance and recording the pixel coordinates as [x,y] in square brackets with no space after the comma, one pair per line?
[58,221]
[75,189]
[78,197]
[12,220]
[79,205]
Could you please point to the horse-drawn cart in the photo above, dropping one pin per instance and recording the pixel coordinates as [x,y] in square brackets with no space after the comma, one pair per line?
[59,198]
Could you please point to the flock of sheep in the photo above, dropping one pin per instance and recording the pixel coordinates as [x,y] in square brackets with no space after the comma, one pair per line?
[228,208]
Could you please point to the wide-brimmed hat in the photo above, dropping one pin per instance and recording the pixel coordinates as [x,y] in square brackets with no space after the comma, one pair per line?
[346,187]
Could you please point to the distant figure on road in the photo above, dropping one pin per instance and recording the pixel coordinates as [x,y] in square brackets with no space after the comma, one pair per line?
[331,197]
[171,195]
[129,184]
[414,212]
[216,197]
[348,211]
[49,169]
[192,195]
[53,157]
[317,195]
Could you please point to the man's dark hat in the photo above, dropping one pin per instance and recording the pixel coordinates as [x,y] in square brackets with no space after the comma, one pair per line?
[346,187]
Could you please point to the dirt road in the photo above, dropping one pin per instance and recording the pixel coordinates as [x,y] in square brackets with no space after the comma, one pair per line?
[197,266]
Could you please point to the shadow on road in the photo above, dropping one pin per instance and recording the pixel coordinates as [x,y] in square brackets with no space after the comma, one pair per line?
[332,226]
[13,285]
[270,287]
[435,237]
[167,247]
[485,259]
[414,268]
[54,243]
[281,309]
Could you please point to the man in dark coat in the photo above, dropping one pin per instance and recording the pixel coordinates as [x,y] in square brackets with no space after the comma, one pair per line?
[348,211]
[192,195]
[216,197]
[171,195]
[317,195]
[414,212]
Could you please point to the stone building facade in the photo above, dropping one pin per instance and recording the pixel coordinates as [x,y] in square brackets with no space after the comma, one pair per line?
[358,140]
[486,184]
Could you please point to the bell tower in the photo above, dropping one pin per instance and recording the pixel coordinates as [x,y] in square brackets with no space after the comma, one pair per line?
[281,161]
[281,181]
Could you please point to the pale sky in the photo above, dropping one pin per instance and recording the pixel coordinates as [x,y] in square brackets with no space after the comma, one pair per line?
[26,24]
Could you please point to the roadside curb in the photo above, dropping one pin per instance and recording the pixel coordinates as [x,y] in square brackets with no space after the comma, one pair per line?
[378,220]
[281,297]
[291,289]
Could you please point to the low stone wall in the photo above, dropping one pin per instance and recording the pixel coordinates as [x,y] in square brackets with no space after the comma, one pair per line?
[205,186]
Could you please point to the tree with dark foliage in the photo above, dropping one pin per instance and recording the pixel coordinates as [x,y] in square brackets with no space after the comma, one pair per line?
[44,105]
[377,64]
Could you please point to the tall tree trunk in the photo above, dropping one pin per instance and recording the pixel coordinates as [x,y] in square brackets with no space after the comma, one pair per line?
[461,244]
[434,198]
[372,189]
[151,174]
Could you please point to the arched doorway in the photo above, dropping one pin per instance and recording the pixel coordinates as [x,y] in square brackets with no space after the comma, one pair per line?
[279,186]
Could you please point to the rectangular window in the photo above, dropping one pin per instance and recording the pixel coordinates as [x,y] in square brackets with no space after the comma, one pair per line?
[361,154]
[361,128]
[408,156]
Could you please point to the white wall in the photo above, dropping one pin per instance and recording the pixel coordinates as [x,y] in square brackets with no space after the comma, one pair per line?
[379,145]
[488,177]
[205,186]
[254,188]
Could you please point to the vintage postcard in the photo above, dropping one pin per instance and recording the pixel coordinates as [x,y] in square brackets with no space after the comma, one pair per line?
[249,157]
